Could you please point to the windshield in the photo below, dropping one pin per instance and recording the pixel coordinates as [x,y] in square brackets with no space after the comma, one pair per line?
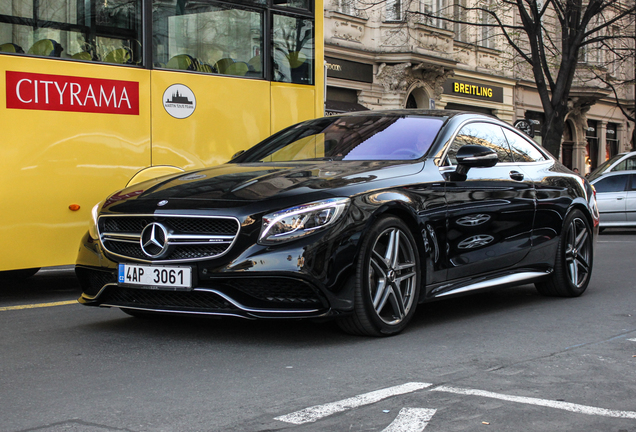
[598,171]
[363,137]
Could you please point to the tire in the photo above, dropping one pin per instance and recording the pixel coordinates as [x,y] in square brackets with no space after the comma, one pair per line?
[387,281]
[574,259]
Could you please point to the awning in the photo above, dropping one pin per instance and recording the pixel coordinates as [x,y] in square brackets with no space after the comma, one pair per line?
[338,107]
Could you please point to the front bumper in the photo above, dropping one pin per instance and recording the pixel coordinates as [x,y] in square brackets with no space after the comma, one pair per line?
[296,281]
[247,297]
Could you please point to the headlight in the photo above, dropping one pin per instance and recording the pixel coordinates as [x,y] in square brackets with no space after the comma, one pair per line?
[302,220]
[92,226]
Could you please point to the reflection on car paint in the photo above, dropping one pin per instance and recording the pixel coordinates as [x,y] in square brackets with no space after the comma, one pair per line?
[473,220]
[475,241]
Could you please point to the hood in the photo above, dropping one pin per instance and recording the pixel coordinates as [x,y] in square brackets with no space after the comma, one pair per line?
[258,181]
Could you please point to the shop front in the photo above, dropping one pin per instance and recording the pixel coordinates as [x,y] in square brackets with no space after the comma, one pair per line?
[346,79]
[470,92]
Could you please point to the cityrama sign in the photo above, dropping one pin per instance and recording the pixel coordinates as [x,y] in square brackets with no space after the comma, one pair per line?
[70,93]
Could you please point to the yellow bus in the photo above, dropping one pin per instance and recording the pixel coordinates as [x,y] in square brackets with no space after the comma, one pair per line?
[100,94]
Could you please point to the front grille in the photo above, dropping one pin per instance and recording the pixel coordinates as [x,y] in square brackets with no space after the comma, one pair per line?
[124,224]
[193,252]
[185,238]
[132,250]
[156,299]
[185,225]
[278,290]
[204,226]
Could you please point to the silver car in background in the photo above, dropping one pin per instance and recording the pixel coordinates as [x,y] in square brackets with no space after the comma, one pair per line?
[616,198]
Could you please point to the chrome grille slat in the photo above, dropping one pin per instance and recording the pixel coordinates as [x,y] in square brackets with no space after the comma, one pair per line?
[122,236]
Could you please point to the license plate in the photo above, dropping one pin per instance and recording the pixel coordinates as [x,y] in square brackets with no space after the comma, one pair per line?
[155,277]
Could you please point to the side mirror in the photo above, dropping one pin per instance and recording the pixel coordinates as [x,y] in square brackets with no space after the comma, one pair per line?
[476,156]
[473,156]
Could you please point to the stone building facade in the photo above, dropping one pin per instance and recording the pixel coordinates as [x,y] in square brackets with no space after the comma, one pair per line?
[379,57]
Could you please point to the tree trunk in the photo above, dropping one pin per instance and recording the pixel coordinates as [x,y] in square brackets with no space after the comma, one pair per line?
[552,133]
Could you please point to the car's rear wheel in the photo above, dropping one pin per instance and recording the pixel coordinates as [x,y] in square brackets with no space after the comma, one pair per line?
[573,265]
[386,282]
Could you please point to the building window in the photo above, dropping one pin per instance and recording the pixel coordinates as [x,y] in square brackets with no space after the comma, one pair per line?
[345,7]
[612,144]
[431,9]
[459,14]
[488,30]
[393,10]
[591,135]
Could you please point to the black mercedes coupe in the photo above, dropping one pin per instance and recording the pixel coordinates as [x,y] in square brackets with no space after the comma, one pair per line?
[358,217]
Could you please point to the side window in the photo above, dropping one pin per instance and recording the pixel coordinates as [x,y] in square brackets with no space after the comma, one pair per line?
[87,30]
[484,134]
[293,45]
[633,187]
[207,37]
[611,184]
[627,164]
[522,150]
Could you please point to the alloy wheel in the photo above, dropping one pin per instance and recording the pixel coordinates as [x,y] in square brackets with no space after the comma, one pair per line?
[392,275]
[577,252]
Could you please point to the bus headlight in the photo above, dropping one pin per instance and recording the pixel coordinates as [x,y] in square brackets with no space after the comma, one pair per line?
[92,226]
[299,221]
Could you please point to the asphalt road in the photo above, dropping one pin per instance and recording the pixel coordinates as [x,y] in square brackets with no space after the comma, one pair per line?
[506,360]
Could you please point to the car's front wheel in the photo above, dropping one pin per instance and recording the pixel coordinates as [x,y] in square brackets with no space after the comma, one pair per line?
[573,265]
[386,282]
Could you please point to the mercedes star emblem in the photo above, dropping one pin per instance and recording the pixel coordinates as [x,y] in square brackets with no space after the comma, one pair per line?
[154,240]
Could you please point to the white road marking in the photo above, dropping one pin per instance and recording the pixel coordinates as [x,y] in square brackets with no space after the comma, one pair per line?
[582,409]
[632,340]
[311,414]
[411,420]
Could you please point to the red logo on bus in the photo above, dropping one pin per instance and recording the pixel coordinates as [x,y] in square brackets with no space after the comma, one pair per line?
[70,93]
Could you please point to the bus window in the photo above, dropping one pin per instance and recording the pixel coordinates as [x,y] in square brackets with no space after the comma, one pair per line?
[68,29]
[299,4]
[207,37]
[293,50]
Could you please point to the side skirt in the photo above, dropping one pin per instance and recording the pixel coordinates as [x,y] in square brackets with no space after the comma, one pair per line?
[518,277]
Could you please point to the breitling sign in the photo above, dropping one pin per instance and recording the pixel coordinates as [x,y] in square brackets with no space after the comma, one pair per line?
[473,90]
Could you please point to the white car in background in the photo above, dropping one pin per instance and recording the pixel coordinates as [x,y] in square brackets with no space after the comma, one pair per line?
[620,162]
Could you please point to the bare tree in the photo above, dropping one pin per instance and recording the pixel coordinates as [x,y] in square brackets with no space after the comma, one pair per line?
[558,43]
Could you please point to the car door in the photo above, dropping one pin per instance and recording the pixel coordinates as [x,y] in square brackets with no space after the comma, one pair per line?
[490,213]
[611,198]
[630,201]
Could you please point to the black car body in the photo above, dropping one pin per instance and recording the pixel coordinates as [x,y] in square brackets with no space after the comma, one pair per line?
[357,217]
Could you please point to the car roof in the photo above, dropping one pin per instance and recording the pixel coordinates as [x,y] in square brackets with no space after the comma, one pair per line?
[419,112]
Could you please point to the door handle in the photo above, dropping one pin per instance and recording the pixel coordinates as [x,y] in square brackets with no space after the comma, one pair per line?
[516,175]
[619,198]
